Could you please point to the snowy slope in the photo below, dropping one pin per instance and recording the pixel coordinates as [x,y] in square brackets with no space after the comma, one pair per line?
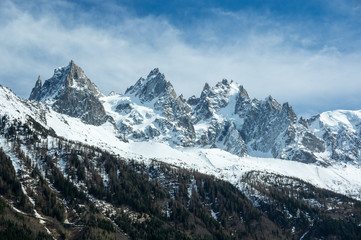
[134,119]
[340,177]
[341,131]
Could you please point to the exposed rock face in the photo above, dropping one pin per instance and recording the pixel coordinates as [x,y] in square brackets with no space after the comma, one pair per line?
[271,128]
[214,117]
[69,91]
[36,92]
[230,140]
[213,99]
[263,128]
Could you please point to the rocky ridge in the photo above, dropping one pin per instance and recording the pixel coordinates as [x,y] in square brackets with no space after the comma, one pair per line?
[224,116]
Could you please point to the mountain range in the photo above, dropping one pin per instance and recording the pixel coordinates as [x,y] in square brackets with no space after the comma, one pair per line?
[223,117]
[221,165]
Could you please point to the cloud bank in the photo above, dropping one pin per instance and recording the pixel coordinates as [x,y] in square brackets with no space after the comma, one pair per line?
[288,60]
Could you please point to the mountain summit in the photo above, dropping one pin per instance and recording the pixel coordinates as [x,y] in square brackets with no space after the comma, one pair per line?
[152,87]
[151,109]
[71,92]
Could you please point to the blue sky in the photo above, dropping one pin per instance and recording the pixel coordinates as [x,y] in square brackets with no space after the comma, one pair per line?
[307,53]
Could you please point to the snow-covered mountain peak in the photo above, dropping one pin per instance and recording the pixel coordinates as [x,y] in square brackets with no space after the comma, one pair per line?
[154,73]
[272,103]
[223,90]
[227,87]
[223,96]
[341,119]
[336,121]
[224,86]
[154,86]
[71,76]
[71,92]
[206,87]
[341,130]
[150,109]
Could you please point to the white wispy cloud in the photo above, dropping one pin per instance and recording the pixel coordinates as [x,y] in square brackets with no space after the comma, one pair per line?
[267,57]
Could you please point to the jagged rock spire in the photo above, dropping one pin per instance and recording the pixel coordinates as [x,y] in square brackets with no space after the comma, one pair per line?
[36,91]
[71,92]
[38,82]
[154,72]
[154,86]
[206,87]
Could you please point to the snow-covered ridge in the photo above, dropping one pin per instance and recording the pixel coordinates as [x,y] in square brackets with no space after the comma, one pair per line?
[224,116]
[341,130]
[340,177]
